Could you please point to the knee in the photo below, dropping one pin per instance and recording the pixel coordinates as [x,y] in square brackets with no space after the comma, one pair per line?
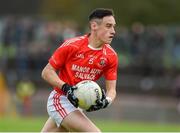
[97,130]
[46,129]
[43,131]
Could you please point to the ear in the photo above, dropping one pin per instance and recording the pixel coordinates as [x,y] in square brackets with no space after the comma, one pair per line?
[93,25]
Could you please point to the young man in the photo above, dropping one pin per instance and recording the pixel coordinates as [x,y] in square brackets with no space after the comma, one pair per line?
[86,57]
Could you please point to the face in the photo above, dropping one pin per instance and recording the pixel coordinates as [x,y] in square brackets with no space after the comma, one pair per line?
[104,29]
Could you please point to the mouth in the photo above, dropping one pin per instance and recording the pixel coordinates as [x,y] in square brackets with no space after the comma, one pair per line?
[111,37]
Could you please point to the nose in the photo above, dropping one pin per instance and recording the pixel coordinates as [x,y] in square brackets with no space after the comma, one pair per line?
[113,31]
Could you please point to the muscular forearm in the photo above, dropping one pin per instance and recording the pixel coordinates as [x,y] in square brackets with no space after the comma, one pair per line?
[49,74]
[111,89]
[111,94]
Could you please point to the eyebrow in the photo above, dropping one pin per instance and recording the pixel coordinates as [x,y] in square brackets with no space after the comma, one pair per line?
[111,24]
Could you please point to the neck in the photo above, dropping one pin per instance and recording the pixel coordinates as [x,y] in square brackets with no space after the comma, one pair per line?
[95,42]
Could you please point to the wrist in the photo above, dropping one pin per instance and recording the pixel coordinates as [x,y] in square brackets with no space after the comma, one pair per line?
[65,87]
[109,100]
[60,83]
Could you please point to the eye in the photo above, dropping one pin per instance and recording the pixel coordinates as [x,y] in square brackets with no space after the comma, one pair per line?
[108,25]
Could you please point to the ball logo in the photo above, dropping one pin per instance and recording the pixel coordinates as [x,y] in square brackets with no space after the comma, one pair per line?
[97,94]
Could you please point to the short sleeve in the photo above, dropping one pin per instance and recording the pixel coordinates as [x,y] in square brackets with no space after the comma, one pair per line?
[60,56]
[110,72]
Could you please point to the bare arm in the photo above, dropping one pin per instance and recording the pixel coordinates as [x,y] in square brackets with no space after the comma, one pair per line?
[111,89]
[49,74]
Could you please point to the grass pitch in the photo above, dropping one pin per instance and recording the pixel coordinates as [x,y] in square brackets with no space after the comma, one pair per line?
[34,124]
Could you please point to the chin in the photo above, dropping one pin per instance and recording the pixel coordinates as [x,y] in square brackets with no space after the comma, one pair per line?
[108,42]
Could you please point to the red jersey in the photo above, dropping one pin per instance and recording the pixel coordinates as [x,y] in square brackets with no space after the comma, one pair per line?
[77,60]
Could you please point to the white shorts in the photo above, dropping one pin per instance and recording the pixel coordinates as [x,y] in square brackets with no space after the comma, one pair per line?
[58,107]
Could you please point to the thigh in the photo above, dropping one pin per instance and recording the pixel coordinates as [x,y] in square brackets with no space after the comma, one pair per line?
[58,107]
[76,121]
[50,126]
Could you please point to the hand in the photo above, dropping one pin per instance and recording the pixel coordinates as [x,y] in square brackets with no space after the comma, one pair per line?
[100,104]
[69,91]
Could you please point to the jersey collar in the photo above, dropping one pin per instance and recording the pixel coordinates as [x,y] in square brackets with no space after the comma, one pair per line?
[94,48]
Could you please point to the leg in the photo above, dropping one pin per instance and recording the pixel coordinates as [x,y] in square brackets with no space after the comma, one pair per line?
[66,116]
[76,121]
[50,126]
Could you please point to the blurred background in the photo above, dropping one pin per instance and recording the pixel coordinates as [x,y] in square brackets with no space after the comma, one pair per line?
[147,42]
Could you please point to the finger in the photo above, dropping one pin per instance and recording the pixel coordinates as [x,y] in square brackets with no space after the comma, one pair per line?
[76,104]
[103,94]
[99,102]
[74,88]
[77,100]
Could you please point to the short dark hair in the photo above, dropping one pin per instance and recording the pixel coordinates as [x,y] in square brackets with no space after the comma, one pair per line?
[100,13]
